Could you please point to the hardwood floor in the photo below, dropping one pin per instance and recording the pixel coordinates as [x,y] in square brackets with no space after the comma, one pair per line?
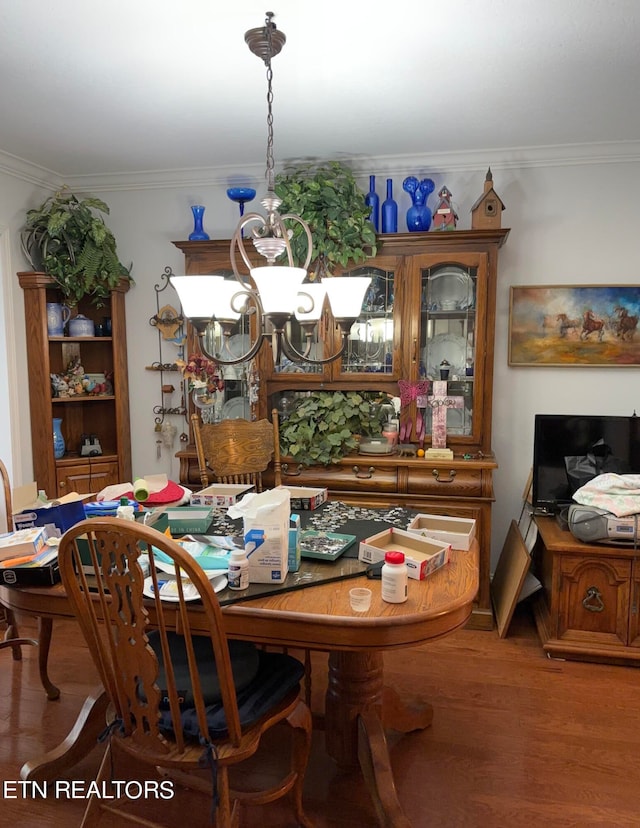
[517,739]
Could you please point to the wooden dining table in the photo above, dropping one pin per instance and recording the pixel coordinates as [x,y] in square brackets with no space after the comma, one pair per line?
[359,707]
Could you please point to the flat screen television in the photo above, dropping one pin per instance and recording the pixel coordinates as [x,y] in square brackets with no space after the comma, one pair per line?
[557,436]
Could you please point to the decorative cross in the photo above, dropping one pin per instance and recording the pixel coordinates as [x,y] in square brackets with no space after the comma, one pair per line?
[439,402]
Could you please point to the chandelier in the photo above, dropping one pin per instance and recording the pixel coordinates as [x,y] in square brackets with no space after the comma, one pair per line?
[274,294]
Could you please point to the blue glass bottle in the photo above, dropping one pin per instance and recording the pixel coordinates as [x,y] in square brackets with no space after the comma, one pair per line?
[418,215]
[372,200]
[389,211]
[198,231]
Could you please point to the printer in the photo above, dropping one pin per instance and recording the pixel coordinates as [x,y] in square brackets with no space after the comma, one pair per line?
[592,525]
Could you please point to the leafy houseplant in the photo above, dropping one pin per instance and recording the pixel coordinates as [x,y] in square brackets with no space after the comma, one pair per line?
[326,425]
[327,197]
[67,238]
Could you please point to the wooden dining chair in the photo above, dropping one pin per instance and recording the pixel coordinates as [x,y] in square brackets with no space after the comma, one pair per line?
[237,451]
[183,696]
[11,637]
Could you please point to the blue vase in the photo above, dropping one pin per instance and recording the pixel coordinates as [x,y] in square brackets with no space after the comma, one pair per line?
[58,440]
[418,215]
[389,211]
[371,200]
[198,232]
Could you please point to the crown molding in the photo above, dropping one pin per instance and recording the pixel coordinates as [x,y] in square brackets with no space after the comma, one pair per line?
[563,155]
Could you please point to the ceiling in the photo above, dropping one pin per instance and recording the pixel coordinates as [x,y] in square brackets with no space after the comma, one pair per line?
[115,86]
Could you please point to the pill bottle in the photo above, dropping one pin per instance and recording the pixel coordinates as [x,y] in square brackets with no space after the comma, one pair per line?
[238,570]
[394,578]
[124,510]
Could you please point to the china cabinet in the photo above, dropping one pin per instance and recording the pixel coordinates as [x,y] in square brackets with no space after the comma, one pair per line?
[588,607]
[430,307]
[95,427]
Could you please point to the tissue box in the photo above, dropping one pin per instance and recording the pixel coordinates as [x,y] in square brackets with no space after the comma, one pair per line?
[306,499]
[459,532]
[219,495]
[422,555]
[266,534]
[188,519]
[22,542]
[294,543]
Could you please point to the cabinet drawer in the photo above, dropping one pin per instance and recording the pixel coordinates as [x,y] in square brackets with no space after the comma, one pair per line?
[445,482]
[347,476]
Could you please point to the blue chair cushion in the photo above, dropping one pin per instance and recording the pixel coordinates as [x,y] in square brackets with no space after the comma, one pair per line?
[245,662]
[278,674]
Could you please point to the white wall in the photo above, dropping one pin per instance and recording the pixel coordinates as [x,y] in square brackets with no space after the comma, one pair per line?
[573,221]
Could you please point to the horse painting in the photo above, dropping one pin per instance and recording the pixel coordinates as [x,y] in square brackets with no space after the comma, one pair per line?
[625,326]
[591,324]
[567,324]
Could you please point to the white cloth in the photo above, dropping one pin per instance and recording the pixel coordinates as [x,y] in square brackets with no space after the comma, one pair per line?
[616,493]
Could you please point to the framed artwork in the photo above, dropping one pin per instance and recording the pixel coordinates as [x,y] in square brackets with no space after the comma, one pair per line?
[562,325]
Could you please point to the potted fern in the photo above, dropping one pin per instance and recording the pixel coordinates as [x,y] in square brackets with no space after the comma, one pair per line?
[328,198]
[67,238]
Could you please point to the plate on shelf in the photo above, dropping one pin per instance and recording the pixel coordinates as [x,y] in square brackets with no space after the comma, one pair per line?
[238,345]
[236,408]
[451,290]
[445,346]
[169,587]
[458,421]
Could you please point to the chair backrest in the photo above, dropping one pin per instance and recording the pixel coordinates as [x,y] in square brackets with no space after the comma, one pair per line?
[121,647]
[6,506]
[237,451]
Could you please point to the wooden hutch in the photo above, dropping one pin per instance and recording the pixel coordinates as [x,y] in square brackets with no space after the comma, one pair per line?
[432,300]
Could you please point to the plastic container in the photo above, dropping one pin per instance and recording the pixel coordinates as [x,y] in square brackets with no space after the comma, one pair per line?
[124,510]
[394,578]
[238,570]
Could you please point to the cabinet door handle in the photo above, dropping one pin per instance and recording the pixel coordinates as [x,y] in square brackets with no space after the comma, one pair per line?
[364,475]
[291,472]
[436,474]
[592,600]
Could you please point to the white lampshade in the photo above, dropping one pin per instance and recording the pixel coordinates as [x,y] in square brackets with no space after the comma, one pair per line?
[197,294]
[346,295]
[278,287]
[224,293]
[317,292]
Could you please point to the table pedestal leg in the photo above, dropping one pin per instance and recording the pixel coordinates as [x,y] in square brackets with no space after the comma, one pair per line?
[357,709]
[79,743]
[45,631]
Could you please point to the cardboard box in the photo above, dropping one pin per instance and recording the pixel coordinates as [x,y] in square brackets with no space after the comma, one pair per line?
[28,511]
[422,555]
[265,518]
[219,495]
[22,542]
[306,499]
[459,532]
[185,520]
[30,576]
[294,543]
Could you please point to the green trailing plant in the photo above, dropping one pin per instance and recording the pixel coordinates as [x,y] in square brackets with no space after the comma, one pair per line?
[327,425]
[328,198]
[67,238]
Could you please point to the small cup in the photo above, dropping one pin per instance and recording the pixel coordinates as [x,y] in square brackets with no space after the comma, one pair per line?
[360,599]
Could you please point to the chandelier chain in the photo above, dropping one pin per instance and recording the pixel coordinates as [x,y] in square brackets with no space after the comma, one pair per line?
[270,162]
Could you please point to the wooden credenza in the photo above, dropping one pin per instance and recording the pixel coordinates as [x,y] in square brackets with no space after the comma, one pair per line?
[588,607]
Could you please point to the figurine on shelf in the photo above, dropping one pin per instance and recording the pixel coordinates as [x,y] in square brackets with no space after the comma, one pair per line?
[444,217]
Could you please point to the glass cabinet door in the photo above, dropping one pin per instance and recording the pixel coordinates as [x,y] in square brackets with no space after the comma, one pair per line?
[370,346]
[447,342]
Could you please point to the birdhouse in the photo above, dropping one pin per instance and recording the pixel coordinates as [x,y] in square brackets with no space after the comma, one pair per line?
[486,212]
[444,216]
